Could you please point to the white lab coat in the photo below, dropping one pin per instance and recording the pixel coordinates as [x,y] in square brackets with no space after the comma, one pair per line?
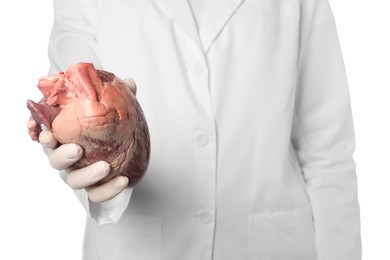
[251,128]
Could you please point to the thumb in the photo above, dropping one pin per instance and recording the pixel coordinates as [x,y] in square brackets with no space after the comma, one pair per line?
[131,84]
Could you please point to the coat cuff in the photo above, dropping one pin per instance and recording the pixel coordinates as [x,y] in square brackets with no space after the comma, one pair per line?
[109,211]
[106,212]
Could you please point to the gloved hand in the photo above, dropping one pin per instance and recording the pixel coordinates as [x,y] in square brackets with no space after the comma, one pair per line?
[64,156]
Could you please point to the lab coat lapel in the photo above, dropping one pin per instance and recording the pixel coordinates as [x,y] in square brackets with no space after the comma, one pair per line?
[217,14]
[180,11]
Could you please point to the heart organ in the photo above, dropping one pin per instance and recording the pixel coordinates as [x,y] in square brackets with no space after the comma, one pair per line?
[98,111]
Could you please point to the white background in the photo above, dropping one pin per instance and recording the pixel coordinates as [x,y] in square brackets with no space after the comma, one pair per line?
[40,218]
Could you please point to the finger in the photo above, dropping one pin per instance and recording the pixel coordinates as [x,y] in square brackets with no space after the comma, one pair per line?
[47,139]
[107,190]
[131,84]
[84,177]
[33,129]
[65,155]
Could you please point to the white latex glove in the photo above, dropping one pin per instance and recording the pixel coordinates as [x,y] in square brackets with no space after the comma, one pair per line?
[64,156]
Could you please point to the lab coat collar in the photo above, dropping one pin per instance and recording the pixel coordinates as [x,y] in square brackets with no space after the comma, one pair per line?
[217,14]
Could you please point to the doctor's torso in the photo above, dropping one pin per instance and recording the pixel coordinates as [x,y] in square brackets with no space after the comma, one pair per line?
[219,104]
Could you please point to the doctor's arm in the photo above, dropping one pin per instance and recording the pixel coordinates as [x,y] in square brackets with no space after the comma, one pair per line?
[72,41]
[323,135]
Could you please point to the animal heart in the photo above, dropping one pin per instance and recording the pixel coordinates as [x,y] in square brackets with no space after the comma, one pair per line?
[98,111]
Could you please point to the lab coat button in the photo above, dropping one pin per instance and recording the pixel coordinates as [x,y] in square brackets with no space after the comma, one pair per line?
[202,139]
[205,217]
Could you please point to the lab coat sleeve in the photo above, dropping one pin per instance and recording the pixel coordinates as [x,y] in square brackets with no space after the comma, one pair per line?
[73,35]
[72,41]
[323,135]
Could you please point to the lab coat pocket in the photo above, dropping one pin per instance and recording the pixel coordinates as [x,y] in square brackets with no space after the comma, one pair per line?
[276,9]
[287,235]
[283,8]
[269,22]
[134,237]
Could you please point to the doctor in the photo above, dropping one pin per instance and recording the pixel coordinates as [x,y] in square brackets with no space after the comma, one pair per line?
[252,135]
